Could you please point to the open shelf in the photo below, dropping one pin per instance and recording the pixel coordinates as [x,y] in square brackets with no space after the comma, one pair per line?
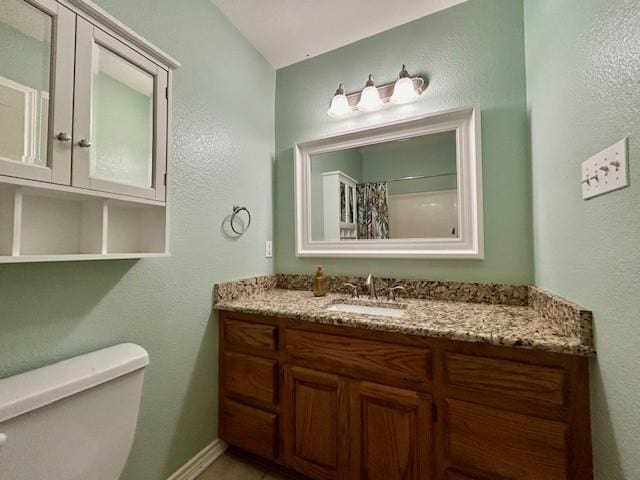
[60,226]
[79,257]
[135,228]
[38,225]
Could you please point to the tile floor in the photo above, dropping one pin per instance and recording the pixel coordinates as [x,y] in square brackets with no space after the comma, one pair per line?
[230,467]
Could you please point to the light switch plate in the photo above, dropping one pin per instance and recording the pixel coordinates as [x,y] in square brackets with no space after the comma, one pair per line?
[268,249]
[606,171]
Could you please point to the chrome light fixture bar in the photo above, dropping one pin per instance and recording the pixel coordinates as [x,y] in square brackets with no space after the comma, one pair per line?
[405,89]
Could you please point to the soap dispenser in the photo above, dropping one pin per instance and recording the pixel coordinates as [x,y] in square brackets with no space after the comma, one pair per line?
[319,283]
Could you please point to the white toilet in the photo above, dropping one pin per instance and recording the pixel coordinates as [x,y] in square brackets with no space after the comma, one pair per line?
[73,420]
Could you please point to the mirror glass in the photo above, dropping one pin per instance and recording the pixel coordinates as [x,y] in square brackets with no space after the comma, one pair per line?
[25,71]
[121,120]
[400,189]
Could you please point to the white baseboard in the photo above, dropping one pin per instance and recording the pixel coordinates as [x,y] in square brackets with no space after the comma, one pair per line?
[199,463]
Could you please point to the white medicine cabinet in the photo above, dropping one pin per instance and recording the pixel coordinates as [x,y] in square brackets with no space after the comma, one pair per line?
[84,133]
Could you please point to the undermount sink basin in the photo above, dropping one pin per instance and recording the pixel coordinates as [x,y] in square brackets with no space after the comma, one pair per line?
[368,310]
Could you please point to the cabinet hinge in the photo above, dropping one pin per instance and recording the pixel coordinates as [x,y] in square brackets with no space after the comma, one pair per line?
[166,92]
[165,179]
[434,413]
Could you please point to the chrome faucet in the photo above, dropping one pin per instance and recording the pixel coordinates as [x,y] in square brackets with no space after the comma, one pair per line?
[393,290]
[371,283]
[353,288]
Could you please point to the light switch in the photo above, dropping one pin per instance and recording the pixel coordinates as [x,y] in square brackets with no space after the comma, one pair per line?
[606,171]
[268,249]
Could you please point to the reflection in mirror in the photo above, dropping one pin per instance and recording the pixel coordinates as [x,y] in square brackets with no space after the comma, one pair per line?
[122,120]
[25,70]
[401,189]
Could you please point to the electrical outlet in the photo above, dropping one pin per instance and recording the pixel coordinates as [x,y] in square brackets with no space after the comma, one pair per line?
[268,249]
[606,171]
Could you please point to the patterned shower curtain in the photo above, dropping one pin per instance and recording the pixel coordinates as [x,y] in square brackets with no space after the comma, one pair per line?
[373,211]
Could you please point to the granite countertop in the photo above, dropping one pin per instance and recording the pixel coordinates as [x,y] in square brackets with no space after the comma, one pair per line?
[498,324]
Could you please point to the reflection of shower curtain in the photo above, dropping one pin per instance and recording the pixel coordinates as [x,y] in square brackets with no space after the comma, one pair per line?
[373,211]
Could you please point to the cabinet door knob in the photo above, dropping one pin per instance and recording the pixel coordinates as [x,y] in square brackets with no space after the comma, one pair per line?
[84,143]
[64,137]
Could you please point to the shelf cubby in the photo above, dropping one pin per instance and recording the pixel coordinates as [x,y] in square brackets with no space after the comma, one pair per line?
[135,228]
[60,225]
[43,225]
[7,209]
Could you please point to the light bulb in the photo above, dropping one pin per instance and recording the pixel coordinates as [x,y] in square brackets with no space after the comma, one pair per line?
[404,91]
[340,107]
[370,100]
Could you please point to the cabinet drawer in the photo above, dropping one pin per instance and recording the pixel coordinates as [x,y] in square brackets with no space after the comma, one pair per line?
[249,428]
[505,444]
[251,378]
[356,356]
[532,383]
[248,335]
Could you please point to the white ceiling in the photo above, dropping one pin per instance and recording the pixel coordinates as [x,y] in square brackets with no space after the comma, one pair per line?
[288,31]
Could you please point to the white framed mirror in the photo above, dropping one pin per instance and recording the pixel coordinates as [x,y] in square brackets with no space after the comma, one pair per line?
[403,189]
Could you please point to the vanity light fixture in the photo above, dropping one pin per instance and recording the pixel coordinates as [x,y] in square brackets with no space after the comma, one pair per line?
[370,100]
[340,107]
[404,91]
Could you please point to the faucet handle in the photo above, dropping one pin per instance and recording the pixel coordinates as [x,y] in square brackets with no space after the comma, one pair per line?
[354,289]
[393,290]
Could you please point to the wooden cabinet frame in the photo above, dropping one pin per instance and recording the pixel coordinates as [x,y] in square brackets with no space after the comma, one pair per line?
[316,426]
[546,395]
[404,447]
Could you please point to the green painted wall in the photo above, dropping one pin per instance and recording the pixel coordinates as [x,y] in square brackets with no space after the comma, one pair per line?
[583,85]
[223,144]
[471,53]
[430,155]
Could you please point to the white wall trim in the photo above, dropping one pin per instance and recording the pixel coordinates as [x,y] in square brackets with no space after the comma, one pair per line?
[105,20]
[199,463]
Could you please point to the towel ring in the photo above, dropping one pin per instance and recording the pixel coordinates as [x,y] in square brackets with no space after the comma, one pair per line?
[236,211]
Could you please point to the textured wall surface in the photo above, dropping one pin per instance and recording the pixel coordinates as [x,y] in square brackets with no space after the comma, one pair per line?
[222,155]
[471,53]
[583,85]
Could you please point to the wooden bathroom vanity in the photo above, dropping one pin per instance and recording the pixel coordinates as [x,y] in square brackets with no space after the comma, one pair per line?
[345,402]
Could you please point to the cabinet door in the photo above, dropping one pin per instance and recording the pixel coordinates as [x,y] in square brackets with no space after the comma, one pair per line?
[391,432]
[316,405]
[37,41]
[505,444]
[120,117]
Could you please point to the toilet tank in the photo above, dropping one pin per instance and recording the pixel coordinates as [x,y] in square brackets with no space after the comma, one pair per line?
[73,420]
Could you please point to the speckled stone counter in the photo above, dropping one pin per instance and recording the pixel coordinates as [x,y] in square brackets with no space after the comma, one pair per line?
[546,322]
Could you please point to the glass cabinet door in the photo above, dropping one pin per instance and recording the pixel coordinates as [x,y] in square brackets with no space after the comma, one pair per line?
[352,205]
[343,203]
[120,117]
[36,39]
